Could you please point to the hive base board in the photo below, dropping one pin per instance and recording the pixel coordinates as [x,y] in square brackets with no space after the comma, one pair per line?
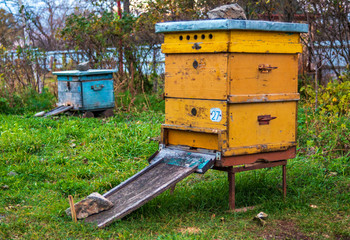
[100,113]
[231,171]
[253,158]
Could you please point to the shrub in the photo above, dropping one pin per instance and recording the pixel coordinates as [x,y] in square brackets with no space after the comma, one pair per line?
[333,99]
[28,100]
[141,102]
[324,132]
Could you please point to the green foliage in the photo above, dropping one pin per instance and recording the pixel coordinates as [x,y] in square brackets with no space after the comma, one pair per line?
[4,104]
[141,102]
[324,133]
[54,157]
[333,99]
[104,36]
[28,100]
[94,33]
[20,73]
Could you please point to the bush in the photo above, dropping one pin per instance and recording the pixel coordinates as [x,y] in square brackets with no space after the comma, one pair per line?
[333,99]
[141,102]
[27,101]
[324,132]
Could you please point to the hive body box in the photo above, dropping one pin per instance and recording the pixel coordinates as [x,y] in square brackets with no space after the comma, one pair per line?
[90,90]
[231,87]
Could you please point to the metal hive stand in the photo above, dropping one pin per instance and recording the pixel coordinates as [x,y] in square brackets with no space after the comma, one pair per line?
[231,174]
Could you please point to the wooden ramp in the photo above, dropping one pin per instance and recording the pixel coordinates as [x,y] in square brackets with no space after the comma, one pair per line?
[57,111]
[147,184]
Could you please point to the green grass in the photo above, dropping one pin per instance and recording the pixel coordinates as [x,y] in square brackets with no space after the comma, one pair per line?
[55,157]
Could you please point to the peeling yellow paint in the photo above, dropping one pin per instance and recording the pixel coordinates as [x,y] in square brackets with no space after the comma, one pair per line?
[243,78]
[232,41]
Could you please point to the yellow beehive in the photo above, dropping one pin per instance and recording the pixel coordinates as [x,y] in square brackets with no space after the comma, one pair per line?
[231,87]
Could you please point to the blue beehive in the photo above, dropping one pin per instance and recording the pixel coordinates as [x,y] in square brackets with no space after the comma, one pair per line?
[90,90]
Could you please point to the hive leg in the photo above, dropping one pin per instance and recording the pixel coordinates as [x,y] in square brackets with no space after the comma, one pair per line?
[108,113]
[232,188]
[172,189]
[88,114]
[284,184]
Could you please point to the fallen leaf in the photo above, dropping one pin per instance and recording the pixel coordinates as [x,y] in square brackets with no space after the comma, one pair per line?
[332,174]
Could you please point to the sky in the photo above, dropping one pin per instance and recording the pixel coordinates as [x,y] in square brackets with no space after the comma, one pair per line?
[12,5]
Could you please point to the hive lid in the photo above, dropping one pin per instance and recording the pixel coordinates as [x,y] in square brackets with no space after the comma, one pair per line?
[230,24]
[84,73]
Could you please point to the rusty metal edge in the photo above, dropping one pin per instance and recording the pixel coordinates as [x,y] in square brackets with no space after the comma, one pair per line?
[259,166]
[260,148]
[252,158]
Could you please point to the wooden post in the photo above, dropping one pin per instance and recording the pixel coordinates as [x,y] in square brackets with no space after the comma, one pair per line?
[172,189]
[120,42]
[284,184]
[232,188]
[132,79]
[72,208]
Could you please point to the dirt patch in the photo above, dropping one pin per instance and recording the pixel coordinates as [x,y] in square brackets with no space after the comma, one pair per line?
[282,229]
[190,230]
[341,237]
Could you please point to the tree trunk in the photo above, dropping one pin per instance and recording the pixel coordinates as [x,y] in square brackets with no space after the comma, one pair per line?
[126,6]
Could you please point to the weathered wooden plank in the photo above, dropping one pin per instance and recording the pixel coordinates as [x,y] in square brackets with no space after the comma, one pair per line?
[198,42]
[168,167]
[78,73]
[276,135]
[196,113]
[57,111]
[235,41]
[70,93]
[245,77]
[201,76]
[97,94]
[228,24]
[193,139]
[141,189]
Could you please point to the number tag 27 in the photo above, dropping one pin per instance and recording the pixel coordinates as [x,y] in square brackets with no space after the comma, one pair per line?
[215,114]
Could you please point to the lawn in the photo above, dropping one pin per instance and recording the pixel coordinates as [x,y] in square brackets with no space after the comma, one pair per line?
[43,160]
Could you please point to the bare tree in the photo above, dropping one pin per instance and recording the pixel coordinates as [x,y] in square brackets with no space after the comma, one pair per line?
[44,18]
[9,29]
[126,6]
[329,38]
